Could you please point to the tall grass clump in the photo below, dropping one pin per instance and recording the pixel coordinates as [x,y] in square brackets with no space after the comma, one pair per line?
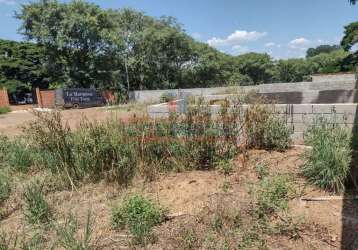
[67,233]
[16,154]
[36,208]
[139,215]
[92,151]
[328,162]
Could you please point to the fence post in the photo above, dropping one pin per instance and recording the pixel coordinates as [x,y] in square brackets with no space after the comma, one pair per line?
[39,98]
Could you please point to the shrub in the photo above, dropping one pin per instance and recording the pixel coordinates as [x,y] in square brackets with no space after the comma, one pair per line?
[68,231]
[4,187]
[4,110]
[36,210]
[328,162]
[264,130]
[139,215]
[276,135]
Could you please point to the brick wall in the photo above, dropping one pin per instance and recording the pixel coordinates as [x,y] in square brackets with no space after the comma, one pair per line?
[45,98]
[4,98]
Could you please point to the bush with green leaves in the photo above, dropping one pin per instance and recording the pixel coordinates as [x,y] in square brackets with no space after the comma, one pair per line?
[5,188]
[328,163]
[264,130]
[139,215]
[36,209]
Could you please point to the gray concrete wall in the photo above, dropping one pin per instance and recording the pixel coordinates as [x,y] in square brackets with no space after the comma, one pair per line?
[153,96]
[333,77]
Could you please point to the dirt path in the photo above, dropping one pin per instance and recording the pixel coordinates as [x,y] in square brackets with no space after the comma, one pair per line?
[11,123]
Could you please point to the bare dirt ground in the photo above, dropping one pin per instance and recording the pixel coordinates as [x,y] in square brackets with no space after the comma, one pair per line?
[191,196]
[11,123]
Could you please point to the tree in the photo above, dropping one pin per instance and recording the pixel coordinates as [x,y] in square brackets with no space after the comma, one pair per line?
[321,49]
[328,62]
[77,39]
[293,70]
[21,66]
[350,37]
[259,67]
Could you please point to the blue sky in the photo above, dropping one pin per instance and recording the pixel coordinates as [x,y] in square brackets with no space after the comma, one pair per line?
[282,28]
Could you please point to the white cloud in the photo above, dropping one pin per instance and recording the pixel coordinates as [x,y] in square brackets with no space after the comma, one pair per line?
[236,38]
[299,43]
[270,44]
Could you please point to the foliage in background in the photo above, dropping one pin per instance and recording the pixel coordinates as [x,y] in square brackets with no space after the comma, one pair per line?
[321,49]
[328,162]
[21,66]
[139,215]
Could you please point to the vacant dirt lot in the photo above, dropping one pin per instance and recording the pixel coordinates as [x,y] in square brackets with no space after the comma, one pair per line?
[11,123]
[193,197]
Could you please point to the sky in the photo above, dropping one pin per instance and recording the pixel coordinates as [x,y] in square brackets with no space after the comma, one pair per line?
[281,28]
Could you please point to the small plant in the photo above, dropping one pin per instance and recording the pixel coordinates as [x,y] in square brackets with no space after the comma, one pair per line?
[4,187]
[139,215]
[225,166]
[4,110]
[36,210]
[261,170]
[188,239]
[68,231]
[328,162]
[272,195]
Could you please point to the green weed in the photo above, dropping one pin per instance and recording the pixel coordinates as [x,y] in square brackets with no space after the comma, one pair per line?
[36,208]
[139,215]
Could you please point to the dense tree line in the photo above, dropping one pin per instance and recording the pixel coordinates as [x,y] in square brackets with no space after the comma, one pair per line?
[78,44]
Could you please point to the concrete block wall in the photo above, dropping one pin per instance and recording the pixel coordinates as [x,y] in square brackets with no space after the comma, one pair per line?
[299,117]
[4,98]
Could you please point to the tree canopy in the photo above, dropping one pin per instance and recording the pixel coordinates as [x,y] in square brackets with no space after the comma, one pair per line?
[79,44]
[321,49]
[21,66]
